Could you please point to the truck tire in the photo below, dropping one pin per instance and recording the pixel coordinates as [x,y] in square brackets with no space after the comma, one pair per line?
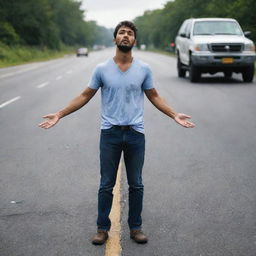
[194,73]
[248,74]
[181,71]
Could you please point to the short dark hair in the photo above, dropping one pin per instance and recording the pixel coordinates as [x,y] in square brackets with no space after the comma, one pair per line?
[128,24]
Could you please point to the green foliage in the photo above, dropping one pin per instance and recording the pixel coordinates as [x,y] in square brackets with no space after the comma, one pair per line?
[47,23]
[8,34]
[103,36]
[69,19]
[159,28]
[14,55]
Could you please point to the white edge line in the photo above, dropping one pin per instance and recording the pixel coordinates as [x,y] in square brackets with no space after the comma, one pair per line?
[20,71]
[42,85]
[9,101]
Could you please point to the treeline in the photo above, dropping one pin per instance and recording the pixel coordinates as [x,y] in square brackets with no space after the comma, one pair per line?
[158,28]
[48,23]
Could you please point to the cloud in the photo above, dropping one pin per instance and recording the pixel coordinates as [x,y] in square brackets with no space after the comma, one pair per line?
[97,5]
[112,18]
[109,13]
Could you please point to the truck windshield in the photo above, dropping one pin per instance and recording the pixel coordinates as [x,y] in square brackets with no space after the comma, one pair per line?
[217,28]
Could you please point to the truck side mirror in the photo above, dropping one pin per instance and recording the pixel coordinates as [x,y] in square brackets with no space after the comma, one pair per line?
[247,33]
[183,34]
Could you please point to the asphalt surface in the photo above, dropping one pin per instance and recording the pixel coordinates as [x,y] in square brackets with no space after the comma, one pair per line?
[200,183]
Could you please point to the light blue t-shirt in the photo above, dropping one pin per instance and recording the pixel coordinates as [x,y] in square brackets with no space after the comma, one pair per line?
[122,93]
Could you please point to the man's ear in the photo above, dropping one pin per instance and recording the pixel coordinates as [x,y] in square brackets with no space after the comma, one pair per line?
[114,40]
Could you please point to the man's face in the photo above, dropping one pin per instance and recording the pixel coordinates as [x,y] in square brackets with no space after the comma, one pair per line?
[125,39]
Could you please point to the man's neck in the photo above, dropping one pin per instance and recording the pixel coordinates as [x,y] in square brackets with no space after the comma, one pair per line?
[123,57]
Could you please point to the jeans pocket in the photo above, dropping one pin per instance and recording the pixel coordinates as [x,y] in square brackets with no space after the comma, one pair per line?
[136,132]
[107,131]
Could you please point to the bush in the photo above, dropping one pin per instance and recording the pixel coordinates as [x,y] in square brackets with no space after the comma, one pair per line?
[8,34]
[13,55]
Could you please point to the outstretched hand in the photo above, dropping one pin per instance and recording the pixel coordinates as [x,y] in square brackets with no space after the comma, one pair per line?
[52,119]
[182,119]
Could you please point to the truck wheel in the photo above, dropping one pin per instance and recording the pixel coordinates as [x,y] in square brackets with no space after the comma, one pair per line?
[194,73]
[228,74]
[248,74]
[181,71]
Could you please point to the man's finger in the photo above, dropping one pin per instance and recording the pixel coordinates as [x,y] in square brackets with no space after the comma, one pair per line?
[190,125]
[43,125]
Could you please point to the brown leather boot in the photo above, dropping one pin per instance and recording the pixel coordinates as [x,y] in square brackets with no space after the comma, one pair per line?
[138,236]
[100,237]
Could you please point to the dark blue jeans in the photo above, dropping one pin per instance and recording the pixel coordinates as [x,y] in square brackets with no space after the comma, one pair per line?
[113,142]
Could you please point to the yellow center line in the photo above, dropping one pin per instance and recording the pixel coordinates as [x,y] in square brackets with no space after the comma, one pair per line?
[113,245]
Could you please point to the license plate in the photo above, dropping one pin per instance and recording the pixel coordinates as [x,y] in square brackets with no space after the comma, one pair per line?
[227,60]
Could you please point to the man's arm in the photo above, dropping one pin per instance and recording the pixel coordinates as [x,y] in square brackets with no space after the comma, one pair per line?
[162,105]
[73,106]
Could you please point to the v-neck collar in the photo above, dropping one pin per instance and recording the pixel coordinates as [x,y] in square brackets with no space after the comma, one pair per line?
[126,71]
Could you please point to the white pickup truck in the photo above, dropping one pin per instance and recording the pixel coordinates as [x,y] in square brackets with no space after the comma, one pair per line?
[211,45]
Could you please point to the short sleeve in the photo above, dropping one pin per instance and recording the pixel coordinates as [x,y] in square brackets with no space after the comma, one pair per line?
[96,82]
[148,81]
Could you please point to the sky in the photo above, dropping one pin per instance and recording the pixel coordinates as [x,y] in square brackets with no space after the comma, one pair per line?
[109,13]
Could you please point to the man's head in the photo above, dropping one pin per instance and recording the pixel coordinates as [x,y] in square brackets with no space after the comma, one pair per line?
[125,36]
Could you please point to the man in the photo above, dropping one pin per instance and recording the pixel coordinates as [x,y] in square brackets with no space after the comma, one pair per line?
[123,81]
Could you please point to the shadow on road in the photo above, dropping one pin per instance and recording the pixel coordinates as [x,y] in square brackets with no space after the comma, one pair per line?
[221,81]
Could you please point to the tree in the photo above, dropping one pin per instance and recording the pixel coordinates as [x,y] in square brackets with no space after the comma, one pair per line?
[48,23]
[159,27]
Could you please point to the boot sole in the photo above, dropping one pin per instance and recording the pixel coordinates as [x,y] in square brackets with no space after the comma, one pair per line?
[98,243]
[139,242]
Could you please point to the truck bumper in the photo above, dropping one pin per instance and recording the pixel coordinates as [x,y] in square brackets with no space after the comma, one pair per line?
[223,60]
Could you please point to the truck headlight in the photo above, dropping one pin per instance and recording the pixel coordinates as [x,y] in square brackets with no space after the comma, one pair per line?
[201,47]
[249,47]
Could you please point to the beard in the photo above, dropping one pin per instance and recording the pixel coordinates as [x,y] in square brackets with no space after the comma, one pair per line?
[124,48]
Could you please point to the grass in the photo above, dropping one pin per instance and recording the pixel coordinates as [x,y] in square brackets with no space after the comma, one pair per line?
[16,55]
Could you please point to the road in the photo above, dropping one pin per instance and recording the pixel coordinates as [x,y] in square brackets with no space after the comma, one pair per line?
[200,184]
